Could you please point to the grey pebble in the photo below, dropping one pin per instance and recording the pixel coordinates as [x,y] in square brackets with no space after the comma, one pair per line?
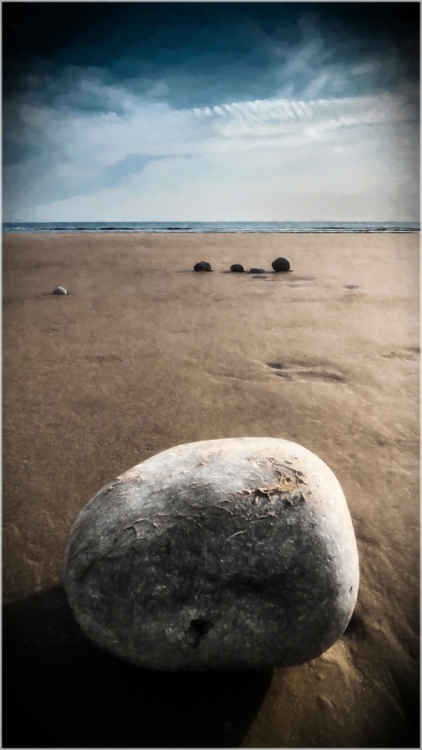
[221,554]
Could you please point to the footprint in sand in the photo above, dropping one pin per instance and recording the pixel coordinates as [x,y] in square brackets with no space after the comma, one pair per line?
[314,372]
[105,359]
[294,282]
[411,353]
[298,281]
[58,327]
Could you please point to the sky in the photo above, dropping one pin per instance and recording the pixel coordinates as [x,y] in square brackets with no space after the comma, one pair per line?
[278,111]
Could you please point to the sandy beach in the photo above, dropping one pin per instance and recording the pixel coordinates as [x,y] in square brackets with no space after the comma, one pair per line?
[143,354]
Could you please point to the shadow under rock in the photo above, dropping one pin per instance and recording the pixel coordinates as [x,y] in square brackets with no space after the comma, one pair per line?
[59,690]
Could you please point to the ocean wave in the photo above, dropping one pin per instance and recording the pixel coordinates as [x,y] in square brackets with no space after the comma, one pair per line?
[217,227]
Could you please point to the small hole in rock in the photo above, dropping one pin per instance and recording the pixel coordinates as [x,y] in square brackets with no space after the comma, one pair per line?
[200,627]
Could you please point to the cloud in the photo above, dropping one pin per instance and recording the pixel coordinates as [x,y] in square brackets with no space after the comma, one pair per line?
[80,140]
[305,121]
[137,125]
[353,184]
[364,68]
[151,158]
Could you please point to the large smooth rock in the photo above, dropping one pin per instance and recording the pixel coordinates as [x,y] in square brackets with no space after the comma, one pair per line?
[203,265]
[281,265]
[237,268]
[222,554]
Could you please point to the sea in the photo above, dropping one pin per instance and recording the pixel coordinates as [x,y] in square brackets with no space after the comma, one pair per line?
[154,227]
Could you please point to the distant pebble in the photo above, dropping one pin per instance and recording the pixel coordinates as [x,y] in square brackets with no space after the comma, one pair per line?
[202,266]
[237,268]
[59,290]
[257,270]
[281,264]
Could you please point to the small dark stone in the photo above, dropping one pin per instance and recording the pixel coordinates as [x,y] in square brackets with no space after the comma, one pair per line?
[257,270]
[59,290]
[281,264]
[202,266]
[237,268]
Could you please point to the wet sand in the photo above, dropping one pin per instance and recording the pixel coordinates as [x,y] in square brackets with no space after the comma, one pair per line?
[144,354]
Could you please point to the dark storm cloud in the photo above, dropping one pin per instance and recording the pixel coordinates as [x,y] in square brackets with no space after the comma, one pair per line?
[207,49]
[137,103]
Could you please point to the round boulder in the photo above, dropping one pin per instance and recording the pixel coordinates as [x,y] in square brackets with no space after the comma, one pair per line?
[202,266]
[237,268]
[257,270]
[281,265]
[222,554]
[59,290]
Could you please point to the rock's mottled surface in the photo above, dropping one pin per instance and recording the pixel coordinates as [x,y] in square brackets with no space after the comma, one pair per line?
[222,554]
[281,264]
[202,266]
[257,270]
[59,290]
[237,268]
